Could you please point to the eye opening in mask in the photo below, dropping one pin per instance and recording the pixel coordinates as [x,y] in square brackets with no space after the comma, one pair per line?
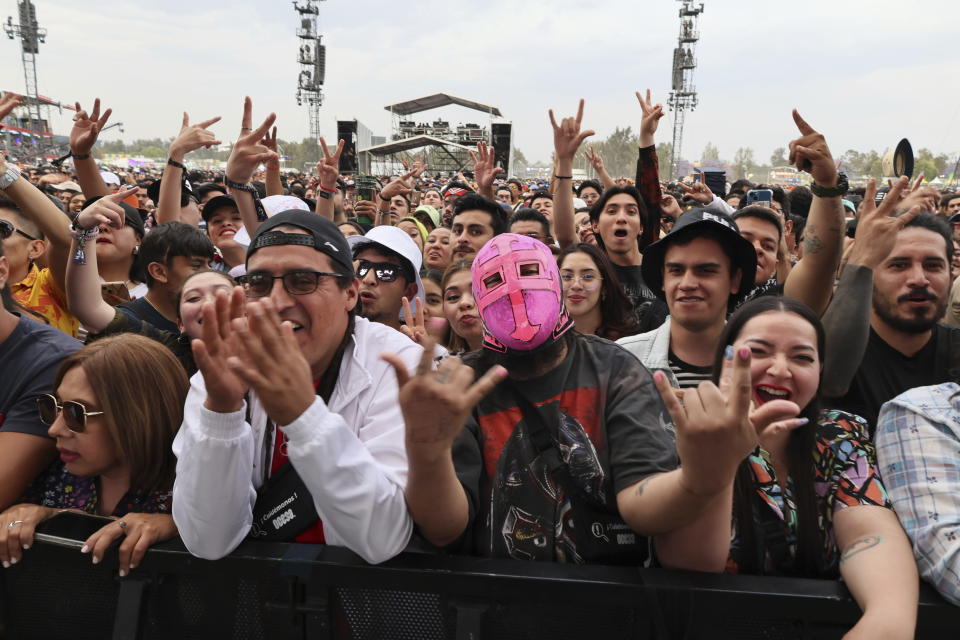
[529,269]
[493,280]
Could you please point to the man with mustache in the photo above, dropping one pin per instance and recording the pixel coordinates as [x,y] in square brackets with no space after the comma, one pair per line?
[907,346]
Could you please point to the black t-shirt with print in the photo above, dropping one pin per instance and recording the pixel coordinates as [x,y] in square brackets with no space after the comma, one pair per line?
[885,373]
[600,404]
[650,310]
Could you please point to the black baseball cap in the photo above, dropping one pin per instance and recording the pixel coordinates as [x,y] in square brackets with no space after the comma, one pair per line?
[218,202]
[690,225]
[322,234]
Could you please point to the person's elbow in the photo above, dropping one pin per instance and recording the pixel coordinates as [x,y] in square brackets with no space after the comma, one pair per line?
[205,540]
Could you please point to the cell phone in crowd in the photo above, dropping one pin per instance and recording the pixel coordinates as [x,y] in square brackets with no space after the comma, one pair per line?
[114,293]
[762,197]
[414,199]
[70,529]
[366,188]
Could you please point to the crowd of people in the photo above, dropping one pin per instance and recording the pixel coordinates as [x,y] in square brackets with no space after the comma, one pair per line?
[749,379]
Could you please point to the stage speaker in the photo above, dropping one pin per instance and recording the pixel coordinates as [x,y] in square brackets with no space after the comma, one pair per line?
[501,134]
[347,131]
[900,161]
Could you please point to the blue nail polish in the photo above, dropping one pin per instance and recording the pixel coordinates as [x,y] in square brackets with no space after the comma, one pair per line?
[802,421]
[728,352]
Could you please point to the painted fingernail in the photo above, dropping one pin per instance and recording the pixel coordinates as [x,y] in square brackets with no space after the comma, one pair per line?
[657,376]
[95,559]
[26,547]
[728,352]
[744,353]
[6,565]
[501,372]
[802,421]
[84,549]
[122,573]
[14,560]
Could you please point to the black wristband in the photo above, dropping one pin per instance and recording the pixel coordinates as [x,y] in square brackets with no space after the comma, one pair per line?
[326,195]
[79,156]
[174,163]
[556,177]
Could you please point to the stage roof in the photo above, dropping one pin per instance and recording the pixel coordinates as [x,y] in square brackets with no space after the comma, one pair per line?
[436,101]
[415,142]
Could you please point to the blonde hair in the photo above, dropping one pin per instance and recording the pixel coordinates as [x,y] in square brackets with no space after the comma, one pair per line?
[141,388]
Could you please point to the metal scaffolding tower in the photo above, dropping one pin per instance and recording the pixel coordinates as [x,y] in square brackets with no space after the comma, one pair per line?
[31,35]
[312,61]
[683,97]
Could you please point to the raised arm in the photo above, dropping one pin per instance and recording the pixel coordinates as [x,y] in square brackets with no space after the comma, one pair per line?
[811,280]
[248,152]
[329,171]
[274,185]
[567,138]
[485,169]
[190,138]
[83,136]
[51,221]
[648,166]
[596,161]
[847,319]
[82,280]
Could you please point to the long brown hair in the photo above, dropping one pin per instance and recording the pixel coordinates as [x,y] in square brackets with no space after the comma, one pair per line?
[140,387]
[617,319]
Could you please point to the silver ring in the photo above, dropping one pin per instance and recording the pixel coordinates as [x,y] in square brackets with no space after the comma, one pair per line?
[122,524]
[246,129]
[14,523]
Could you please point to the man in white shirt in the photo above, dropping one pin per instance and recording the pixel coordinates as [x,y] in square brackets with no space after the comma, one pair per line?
[289,374]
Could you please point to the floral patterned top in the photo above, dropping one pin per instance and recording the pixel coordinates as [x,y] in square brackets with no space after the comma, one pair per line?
[845,475]
[61,489]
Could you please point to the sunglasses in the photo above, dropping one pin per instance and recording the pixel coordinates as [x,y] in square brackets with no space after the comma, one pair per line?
[296,283]
[7,229]
[74,414]
[385,271]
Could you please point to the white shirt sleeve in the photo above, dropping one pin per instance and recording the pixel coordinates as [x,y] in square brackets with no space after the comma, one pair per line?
[720,205]
[213,495]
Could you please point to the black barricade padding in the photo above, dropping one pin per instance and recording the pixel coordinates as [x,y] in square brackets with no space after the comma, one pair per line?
[278,591]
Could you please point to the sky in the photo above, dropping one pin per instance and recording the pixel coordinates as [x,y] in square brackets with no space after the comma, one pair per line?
[863,72]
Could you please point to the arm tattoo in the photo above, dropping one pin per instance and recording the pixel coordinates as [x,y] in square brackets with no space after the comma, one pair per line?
[643,485]
[811,242]
[860,545]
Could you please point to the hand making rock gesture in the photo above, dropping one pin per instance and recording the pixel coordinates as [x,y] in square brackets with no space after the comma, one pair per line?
[567,136]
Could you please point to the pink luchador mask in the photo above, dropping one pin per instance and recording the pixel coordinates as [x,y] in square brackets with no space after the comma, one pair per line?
[516,284]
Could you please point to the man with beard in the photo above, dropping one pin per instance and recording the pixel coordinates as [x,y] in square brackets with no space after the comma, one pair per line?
[907,346]
[571,457]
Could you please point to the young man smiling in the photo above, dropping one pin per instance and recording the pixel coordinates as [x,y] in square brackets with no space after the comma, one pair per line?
[698,268]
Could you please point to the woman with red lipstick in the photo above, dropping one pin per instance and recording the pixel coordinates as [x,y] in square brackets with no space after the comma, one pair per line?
[593,295]
[118,405]
[809,501]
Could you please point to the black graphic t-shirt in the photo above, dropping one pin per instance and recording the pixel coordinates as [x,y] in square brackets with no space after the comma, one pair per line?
[602,409]
[651,311]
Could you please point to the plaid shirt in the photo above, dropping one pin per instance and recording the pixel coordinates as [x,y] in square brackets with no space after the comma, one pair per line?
[918,446]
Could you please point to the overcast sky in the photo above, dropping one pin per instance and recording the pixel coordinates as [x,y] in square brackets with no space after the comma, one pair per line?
[864,72]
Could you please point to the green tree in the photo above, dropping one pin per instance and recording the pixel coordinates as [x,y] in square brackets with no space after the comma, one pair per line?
[779,157]
[664,156]
[710,152]
[519,160]
[743,162]
[619,152]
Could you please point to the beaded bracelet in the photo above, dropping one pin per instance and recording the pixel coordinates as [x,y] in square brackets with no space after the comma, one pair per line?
[81,236]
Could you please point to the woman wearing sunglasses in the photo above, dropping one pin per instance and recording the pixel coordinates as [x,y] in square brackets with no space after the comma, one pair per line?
[593,295]
[118,405]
